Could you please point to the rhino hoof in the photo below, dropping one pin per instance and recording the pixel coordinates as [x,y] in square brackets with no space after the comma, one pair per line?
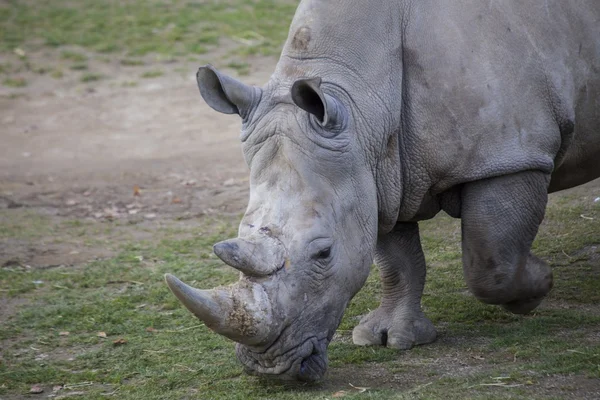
[523,306]
[377,330]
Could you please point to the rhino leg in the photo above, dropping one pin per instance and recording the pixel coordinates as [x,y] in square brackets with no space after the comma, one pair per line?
[500,219]
[398,322]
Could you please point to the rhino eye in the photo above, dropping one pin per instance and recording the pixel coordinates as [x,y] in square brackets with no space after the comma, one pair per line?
[325,253]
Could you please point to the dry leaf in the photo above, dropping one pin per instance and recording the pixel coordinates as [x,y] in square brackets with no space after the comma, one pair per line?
[339,394]
[176,200]
[136,190]
[36,389]
[150,329]
[65,333]
[101,334]
[119,342]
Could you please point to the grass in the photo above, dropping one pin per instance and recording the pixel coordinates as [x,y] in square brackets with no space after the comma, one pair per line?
[139,27]
[130,62]
[79,67]
[170,355]
[242,68]
[152,74]
[73,56]
[91,77]
[15,82]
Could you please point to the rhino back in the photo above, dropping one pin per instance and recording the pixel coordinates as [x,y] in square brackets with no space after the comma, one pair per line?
[473,89]
[493,88]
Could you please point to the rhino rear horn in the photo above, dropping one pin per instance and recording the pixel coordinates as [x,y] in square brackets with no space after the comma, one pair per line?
[257,256]
[226,94]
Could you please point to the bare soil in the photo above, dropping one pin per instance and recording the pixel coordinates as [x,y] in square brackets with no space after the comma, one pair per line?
[99,150]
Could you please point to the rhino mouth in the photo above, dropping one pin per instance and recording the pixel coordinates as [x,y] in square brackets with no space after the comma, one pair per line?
[305,362]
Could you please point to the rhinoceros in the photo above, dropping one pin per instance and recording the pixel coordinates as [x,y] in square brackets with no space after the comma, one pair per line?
[381,114]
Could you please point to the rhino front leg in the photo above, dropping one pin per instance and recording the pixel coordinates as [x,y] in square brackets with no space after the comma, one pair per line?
[398,322]
[500,219]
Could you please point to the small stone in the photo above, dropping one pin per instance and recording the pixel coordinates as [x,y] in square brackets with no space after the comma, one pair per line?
[150,216]
[119,342]
[133,212]
[36,389]
[71,202]
[229,182]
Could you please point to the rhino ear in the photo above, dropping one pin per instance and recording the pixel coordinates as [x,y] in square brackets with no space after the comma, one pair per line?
[226,94]
[307,94]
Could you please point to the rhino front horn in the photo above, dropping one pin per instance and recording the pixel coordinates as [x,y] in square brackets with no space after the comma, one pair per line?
[242,314]
[256,256]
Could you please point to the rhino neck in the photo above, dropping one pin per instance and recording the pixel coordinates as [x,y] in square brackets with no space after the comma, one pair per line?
[356,47]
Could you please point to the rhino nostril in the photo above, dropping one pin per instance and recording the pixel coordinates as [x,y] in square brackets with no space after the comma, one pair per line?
[384,338]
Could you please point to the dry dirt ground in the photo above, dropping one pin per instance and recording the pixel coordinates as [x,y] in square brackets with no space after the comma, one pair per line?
[82,150]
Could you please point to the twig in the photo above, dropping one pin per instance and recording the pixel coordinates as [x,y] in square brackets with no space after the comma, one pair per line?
[77,385]
[182,329]
[134,282]
[360,389]
[187,368]
[421,387]
[499,384]
[155,351]
[586,217]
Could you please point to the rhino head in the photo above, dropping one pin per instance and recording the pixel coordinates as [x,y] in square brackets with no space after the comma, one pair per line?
[306,241]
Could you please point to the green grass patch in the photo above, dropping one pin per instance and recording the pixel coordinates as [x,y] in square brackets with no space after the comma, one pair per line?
[138,27]
[152,74]
[91,77]
[56,74]
[79,67]
[482,352]
[73,56]
[242,68]
[16,82]
[130,62]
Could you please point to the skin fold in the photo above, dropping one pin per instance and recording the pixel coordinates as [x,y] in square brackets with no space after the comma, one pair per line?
[382,114]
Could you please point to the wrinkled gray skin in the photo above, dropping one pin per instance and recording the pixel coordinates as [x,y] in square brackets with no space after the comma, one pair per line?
[380,114]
